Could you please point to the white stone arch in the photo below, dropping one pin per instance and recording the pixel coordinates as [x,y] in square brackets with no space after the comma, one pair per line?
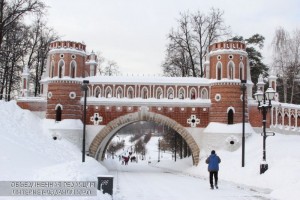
[230,70]
[241,71]
[119,92]
[61,68]
[230,108]
[219,70]
[59,105]
[193,93]
[181,93]
[88,92]
[99,144]
[108,92]
[73,69]
[170,93]
[130,92]
[159,93]
[97,91]
[51,73]
[204,93]
[144,93]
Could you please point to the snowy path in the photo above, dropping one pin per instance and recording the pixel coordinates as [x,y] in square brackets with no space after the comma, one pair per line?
[143,182]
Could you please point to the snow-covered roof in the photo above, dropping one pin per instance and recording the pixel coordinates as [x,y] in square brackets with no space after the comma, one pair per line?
[149,102]
[67,50]
[228,51]
[148,80]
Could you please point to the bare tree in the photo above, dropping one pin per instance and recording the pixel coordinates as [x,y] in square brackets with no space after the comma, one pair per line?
[182,41]
[100,62]
[38,47]
[286,60]
[12,11]
[207,29]
[188,45]
[111,68]
[12,54]
[176,62]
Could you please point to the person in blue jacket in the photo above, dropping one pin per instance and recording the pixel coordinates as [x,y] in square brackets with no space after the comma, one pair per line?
[213,167]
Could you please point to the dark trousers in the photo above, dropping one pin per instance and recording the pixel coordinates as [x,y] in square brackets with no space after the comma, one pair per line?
[211,175]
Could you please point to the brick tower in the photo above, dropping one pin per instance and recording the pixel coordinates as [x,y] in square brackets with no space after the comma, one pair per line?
[65,70]
[227,66]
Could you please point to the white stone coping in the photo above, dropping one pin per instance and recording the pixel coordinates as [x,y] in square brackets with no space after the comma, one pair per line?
[148,102]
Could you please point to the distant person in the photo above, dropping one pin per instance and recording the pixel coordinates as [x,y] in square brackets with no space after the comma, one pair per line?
[213,167]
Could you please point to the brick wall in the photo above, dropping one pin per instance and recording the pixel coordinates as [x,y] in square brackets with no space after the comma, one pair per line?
[180,115]
[230,97]
[256,117]
[34,106]
[71,108]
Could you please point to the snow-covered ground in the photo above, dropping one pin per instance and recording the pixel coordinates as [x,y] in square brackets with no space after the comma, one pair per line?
[28,152]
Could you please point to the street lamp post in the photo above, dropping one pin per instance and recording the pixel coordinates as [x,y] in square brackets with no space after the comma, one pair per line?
[158,150]
[243,87]
[84,88]
[263,106]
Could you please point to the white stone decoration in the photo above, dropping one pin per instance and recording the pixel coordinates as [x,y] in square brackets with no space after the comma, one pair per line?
[218,97]
[49,95]
[56,136]
[232,143]
[72,95]
[96,119]
[193,121]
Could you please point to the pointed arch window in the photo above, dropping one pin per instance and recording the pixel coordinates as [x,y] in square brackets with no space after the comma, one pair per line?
[119,93]
[58,112]
[108,92]
[130,93]
[61,68]
[219,71]
[73,69]
[52,70]
[159,93]
[230,116]
[144,93]
[241,71]
[204,93]
[97,92]
[193,93]
[170,93]
[181,93]
[230,70]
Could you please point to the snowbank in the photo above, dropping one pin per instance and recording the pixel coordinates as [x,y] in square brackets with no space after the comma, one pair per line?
[29,153]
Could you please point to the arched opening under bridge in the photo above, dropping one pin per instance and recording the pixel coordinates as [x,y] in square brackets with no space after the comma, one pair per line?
[102,139]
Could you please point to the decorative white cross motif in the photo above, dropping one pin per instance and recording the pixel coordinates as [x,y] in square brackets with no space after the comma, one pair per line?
[96,119]
[193,121]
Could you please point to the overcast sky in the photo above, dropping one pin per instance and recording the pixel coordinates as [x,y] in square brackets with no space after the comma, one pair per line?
[133,32]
